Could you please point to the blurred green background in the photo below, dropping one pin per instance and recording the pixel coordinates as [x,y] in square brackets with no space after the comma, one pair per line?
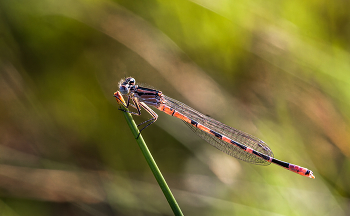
[279,70]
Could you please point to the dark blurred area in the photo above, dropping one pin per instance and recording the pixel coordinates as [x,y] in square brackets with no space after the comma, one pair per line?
[277,70]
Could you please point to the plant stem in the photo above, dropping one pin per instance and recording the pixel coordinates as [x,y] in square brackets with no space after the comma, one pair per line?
[152,164]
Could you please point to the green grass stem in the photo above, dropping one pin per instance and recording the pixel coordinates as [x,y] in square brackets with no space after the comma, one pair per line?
[152,164]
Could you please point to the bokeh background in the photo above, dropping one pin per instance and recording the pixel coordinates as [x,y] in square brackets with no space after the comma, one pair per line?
[279,70]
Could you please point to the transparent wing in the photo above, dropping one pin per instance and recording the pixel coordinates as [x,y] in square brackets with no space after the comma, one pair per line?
[234,134]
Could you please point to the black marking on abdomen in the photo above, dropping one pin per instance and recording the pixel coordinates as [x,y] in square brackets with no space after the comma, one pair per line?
[281,163]
[172,114]
[194,123]
[239,145]
[216,134]
[265,157]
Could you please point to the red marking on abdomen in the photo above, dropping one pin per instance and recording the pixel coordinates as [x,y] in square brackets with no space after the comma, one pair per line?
[165,109]
[297,169]
[182,117]
[203,128]
[170,111]
[226,139]
[249,150]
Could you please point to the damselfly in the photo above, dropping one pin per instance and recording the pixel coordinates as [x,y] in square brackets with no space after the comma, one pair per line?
[234,142]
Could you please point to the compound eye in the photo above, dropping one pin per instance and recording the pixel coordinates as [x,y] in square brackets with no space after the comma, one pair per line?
[131,81]
[124,90]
